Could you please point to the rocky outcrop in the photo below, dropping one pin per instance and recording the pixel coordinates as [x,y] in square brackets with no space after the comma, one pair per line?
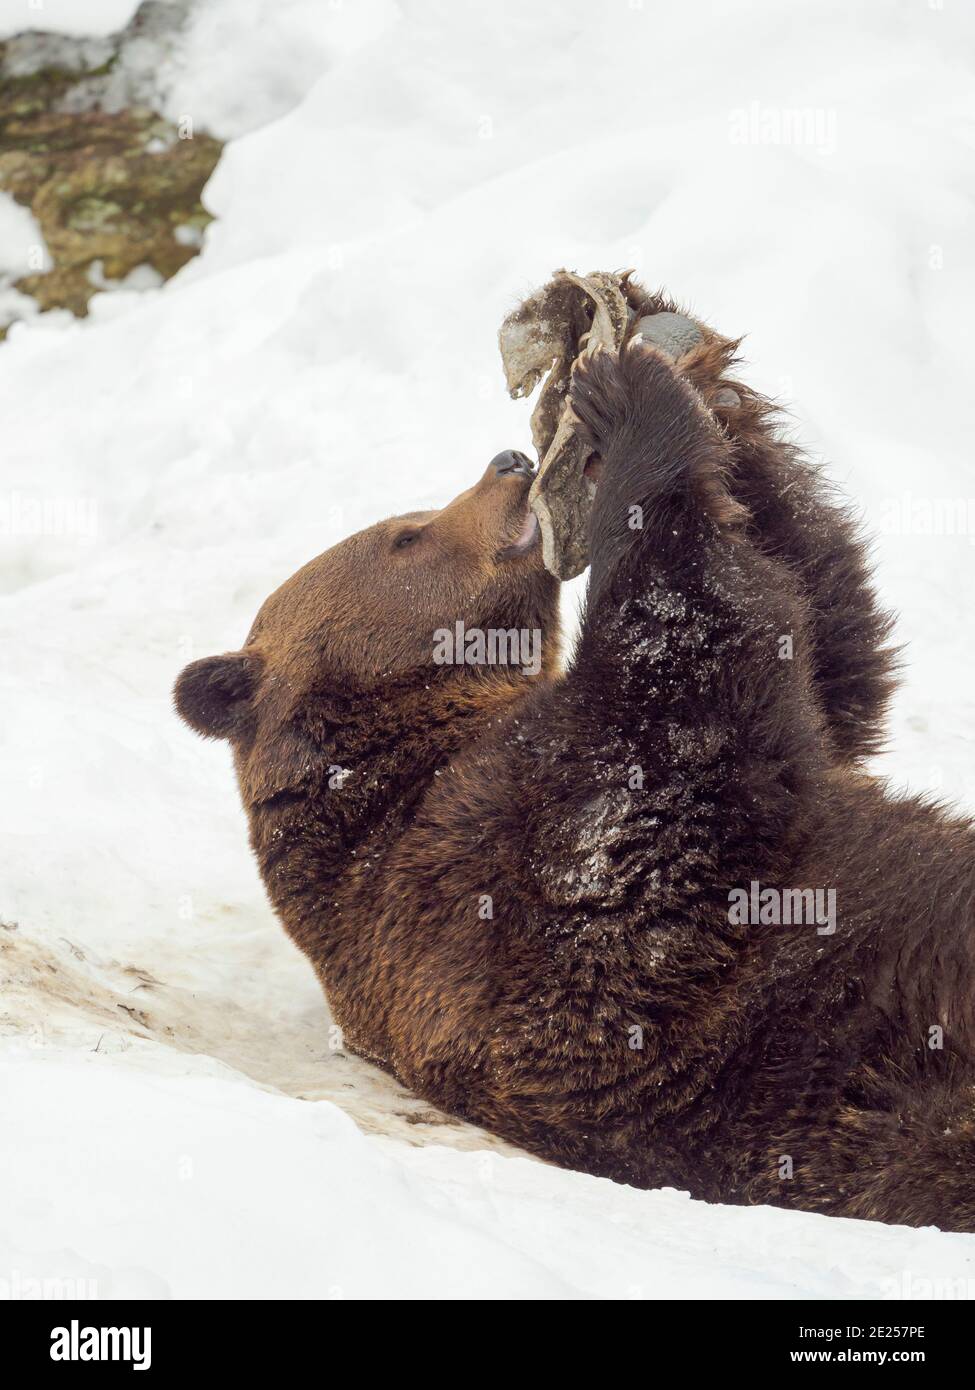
[113,185]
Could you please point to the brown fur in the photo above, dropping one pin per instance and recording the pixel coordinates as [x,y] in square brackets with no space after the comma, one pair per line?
[609,892]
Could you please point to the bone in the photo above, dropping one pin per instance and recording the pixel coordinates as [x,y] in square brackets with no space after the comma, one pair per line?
[544,337]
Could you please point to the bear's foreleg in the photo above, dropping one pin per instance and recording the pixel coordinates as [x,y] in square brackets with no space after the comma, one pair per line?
[692,685]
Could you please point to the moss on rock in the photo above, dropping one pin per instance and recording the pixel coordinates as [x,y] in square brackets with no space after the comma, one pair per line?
[104,186]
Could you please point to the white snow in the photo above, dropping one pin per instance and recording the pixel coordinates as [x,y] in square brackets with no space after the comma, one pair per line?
[79,18]
[22,252]
[177,1119]
[22,249]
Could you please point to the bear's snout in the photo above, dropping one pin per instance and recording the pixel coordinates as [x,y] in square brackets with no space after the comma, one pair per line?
[513,461]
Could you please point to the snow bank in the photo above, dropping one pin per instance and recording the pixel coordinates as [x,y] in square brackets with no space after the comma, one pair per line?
[185,1187]
[176,1114]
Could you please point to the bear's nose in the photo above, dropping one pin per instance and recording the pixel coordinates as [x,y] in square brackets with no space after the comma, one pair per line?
[511,461]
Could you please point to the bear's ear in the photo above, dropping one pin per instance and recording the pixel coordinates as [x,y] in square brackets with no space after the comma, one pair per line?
[213,695]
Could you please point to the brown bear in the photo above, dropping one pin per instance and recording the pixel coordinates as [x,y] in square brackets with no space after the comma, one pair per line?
[645,917]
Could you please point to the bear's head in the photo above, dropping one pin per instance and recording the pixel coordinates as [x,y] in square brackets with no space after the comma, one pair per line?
[363,616]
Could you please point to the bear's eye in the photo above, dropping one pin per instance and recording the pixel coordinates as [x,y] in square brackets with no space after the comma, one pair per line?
[407,538]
